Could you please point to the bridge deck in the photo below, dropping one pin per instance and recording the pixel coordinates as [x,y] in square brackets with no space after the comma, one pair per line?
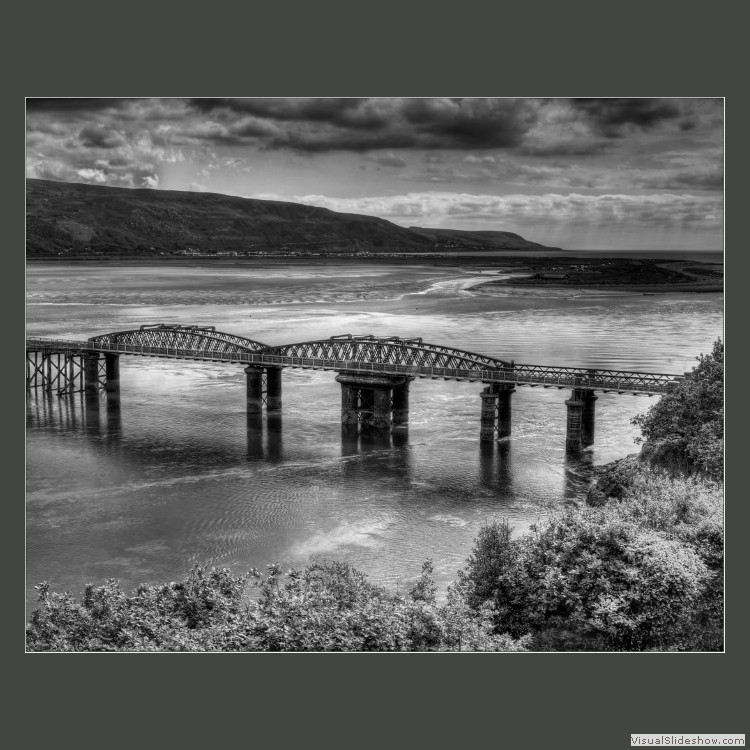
[620,381]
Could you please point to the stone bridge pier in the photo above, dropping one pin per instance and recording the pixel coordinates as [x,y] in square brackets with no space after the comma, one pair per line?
[496,411]
[263,389]
[377,401]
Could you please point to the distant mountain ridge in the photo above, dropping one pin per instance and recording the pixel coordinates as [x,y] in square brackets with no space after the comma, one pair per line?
[77,219]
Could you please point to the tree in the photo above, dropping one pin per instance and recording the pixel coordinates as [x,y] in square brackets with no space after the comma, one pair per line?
[589,579]
[685,429]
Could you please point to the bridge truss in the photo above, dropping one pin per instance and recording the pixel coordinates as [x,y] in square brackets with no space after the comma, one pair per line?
[201,339]
[352,353]
[389,351]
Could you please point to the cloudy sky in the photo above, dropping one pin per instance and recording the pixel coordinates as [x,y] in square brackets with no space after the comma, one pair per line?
[577,173]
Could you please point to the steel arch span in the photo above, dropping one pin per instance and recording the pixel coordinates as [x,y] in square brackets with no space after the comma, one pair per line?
[200,339]
[391,350]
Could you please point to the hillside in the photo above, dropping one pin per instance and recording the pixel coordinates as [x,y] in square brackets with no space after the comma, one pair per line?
[479,240]
[71,219]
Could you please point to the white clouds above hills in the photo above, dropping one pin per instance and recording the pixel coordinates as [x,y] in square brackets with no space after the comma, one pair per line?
[539,216]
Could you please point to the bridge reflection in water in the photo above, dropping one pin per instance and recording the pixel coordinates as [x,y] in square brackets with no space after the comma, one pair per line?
[495,465]
[375,374]
[90,414]
[264,437]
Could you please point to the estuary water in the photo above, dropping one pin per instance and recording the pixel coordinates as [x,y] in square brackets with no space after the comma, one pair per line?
[176,475]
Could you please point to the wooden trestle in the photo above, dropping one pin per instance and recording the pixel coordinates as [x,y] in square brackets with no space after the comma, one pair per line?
[67,372]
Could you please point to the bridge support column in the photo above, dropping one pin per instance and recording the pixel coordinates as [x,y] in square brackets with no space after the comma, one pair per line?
[367,399]
[254,389]
[91,372]
[487,428]
[273,388]
[401,403]
[263,387]
[349,404]
[496,411]
[504,412]
[112,369]
[573,435]
[588,417]
[380,418]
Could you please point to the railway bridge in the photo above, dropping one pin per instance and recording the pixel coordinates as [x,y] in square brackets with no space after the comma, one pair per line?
[374,372]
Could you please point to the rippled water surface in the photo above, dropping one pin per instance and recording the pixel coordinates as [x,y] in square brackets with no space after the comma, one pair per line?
[177,475]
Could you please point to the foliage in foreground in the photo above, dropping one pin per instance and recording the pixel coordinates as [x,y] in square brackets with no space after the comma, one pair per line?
[641,572]
[328,606]
[685,429]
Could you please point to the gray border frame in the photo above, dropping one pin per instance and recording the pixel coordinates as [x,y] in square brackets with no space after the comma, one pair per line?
[683,48]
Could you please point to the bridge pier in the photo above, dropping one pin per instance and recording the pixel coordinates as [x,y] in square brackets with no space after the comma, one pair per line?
[376,401]
[380,418]
[588,418]
[349,404]
[496,411]
[263,386]
[273,389]
[401,403]
[91,372]
[254,389]
[112,371]
[580,421]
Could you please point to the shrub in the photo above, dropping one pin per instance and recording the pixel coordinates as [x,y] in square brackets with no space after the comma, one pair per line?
[328,606]
[199,614]
[688,510]
[612,481]
[618,577]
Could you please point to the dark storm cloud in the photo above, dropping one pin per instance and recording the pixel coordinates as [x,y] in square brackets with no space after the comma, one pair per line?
[346,140]
[531,127]
[318,125]
[615,117]
[93,136]
[473,123]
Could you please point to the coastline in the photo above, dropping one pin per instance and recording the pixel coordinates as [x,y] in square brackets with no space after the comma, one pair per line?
[647,289]
[645,275]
